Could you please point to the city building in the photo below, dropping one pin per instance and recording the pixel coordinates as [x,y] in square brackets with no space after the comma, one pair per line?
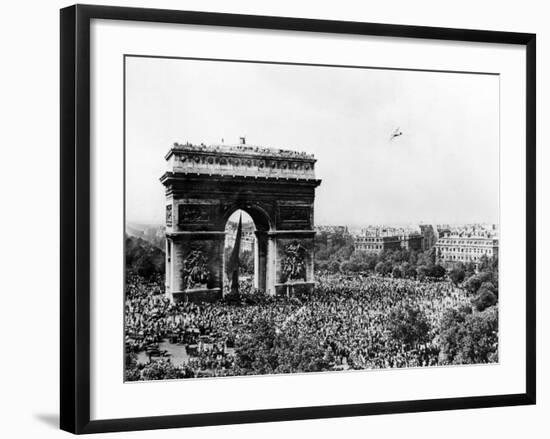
[247,240]
[465,248]
[343,230]
[374,240]
[411,241]
[376,244]
[429,236]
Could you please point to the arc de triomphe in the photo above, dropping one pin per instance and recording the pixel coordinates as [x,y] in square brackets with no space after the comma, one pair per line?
[206,184]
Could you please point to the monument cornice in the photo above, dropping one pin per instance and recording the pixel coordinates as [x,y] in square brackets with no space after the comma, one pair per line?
[213,177]
[240,160]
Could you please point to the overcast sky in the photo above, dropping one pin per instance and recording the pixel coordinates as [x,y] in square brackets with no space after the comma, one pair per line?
[443,169]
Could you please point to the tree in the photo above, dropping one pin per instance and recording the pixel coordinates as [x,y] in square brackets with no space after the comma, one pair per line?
[457,275]
[451,325]
[370,261]
[396,272]
[410,272]
[265,349]
[379,268]
[484,263]
[421,272]
[255,351]
[362,267]
[488,286]
[144,266]
[484,299]
[427,258]
[162,370]
[437,271]
[301,354]
[143,258]
[346,266]
[383,268]
[398,256]
[473,283]
[409,326]
[469,338]
[337,245]
[131,370]
[360,263]
[469,270]
[334,266]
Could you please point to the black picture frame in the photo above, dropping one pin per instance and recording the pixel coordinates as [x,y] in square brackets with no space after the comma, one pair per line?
[75,217]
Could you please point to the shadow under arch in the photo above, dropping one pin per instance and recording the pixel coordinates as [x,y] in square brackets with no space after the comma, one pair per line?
[262,220]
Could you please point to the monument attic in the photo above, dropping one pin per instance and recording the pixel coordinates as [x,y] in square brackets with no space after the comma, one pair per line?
[205,185]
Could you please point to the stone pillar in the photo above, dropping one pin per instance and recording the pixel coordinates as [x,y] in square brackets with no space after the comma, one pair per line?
[286,241]
[206,247]
[168,267]
[260,261]
[256,263]
[271,265]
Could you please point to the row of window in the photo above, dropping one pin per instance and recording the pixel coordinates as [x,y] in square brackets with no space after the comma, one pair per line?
[369,247]
[467,242]
[486,251]
[461,258]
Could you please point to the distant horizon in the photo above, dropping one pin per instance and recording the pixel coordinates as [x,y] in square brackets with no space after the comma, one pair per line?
[249,220]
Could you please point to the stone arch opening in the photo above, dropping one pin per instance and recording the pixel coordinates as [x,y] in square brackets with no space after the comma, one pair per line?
[260,217]
[253,249]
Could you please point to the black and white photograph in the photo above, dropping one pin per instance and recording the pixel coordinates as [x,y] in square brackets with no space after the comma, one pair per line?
[275,219]
[291,218]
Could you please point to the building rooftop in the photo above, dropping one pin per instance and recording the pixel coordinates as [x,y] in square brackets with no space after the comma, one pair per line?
[241,149]
[469,237]
[241,161]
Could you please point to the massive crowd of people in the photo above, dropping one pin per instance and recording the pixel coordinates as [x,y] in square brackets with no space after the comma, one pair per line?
[351,314]
[347,316]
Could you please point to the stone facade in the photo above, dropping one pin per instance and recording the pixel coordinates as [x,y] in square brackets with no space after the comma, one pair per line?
[206,184]
[375,240]
[411,241]
[465,248]
[429,236]
[376,244]
[240,160]
[248,240]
